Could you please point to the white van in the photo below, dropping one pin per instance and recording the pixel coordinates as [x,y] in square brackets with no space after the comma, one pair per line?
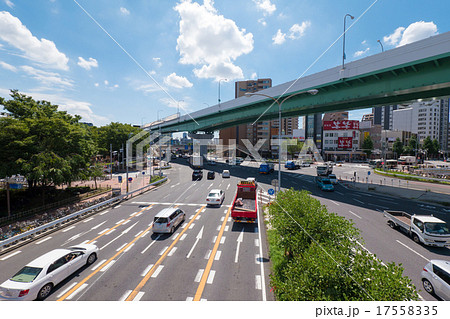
[167,220]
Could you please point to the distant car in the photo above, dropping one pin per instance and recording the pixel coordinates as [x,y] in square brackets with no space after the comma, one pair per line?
[226,173]
[215,197]
[306,164]
[212,162]
[37,279]
[333,179]
[211,175]
[436,278]
[324,184]
[197,174]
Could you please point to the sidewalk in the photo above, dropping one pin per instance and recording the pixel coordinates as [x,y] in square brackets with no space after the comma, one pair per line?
[435,197]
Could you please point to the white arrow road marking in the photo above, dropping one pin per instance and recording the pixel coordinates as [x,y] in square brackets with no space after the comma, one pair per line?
[199,236]
[123,233]
[239,241]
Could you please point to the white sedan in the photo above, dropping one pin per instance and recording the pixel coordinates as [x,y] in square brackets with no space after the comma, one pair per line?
[37,279]
[215,197]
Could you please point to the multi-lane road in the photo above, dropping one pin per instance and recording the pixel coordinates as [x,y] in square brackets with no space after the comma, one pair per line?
[208,257]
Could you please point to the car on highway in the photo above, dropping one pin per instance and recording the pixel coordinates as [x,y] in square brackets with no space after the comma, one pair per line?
[324,183]
[306,164]
[333,179]
[38,278]
[226,173]
[211,175]
[436,278]
[215,197]
[197,174]
[167,220]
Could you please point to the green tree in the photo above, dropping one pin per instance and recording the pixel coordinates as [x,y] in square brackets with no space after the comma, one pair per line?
[398,147]
[47,146]
[367,145]
[293,149]
[115,134]
[431,146]
[316,255]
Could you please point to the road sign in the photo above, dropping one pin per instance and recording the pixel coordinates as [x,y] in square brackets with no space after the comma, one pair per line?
[130,179]
[271,191]
[274,182]
[120,179]
[368,173]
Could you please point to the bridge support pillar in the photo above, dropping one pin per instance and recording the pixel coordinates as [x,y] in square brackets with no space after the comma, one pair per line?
[201,142]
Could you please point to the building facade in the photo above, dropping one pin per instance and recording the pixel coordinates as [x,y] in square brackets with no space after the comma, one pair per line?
[341,140]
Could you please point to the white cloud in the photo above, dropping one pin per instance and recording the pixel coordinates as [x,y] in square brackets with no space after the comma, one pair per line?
[91,63]
[124,11]
[9,3]
[8,66]
[210,41]
[262,21]
[41,51]
[74,107]
[394,38]
[147,88]
[361,52]
[50,79]
[414,32]
[96,84]
[157,62]
[177,81]
[297,31]
[266,6]
[279,38]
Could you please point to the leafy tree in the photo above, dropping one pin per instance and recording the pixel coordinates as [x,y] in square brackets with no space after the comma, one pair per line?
[431,146]
[398,147]
[296,148]
[317,256]
[116,134]
[367,145]
[47,146]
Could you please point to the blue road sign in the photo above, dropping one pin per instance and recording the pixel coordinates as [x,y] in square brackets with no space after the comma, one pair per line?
[130,179]
[120,179]
[271,191]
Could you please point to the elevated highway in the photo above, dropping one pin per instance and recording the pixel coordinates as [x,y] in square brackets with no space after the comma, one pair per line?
[418,70]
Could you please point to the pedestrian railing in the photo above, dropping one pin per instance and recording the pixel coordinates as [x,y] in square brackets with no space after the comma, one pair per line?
[61,222]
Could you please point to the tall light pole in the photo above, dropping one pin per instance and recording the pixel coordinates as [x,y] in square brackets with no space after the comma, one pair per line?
[312,92]
[343,42]
[382,48]
[219,91]
[159,143]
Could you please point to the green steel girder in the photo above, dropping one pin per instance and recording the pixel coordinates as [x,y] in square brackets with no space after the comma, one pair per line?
[421,79]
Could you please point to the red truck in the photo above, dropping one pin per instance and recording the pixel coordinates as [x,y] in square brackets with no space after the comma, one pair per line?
[245,204]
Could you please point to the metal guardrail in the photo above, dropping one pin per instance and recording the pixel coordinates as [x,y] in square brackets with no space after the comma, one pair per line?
[58,222]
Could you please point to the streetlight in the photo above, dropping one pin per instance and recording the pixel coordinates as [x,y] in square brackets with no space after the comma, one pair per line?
[382,49]
[178,109]
[226,80]
[159,143]
[312,92]
[343,42]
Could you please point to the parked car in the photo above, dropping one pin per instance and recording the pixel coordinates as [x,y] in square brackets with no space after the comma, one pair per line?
[436,278]
[167,220]
[210,175]
[333,179]
[324,183]
[215,197]
[37,279]
[226,173]
[197,174]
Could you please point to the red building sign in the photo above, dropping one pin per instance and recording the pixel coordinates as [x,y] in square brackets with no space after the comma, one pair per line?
[345,142]
[340,125]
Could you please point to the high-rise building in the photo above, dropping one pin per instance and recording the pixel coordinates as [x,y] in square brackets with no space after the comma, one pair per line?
[335,116]
[312,124]
[444,124]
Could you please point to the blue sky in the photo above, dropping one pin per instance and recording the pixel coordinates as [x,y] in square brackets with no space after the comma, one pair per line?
[132,61]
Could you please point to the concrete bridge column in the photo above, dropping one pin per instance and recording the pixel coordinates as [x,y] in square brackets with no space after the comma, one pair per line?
[201,142]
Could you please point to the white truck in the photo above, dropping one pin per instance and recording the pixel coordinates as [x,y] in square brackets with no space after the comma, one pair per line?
[324,169]
[425,229]
[196,161]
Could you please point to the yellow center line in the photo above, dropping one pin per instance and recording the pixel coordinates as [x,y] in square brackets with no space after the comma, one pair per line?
[107,232]
[138,288]
[205,275]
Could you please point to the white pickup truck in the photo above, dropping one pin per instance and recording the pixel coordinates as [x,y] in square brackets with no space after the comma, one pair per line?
[425,229]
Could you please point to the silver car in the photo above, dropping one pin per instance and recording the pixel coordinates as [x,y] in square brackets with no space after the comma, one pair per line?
[436,278]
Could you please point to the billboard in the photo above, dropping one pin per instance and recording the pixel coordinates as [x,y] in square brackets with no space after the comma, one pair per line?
[345,142]
[340,125]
